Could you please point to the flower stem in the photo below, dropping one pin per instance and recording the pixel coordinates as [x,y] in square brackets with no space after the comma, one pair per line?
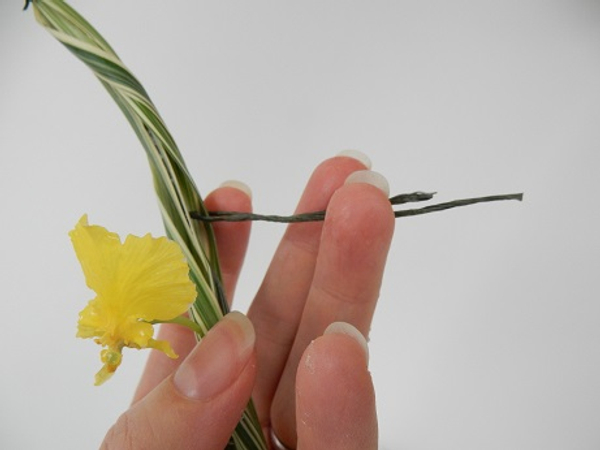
[182,320]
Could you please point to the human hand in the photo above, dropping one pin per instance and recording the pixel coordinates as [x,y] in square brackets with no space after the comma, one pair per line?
[309,379]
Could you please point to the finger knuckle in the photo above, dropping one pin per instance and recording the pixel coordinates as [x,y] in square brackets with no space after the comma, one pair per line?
[120,435]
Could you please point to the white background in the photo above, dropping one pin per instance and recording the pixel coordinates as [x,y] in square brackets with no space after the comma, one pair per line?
[488,329]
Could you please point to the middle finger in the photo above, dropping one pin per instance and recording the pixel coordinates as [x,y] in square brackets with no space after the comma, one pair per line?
[277,308]
[354,245]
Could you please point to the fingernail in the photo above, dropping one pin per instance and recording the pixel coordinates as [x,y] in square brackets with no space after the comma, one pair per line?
[216,362]
[370,177]
[358,155]
[348,330]
[238,185]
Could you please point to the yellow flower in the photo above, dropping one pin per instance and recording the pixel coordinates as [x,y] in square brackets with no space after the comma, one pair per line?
[139,281]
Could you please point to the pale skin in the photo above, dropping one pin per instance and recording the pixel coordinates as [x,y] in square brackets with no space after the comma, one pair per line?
[310,382]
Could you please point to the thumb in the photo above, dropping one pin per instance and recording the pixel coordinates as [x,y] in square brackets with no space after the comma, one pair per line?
[199,405]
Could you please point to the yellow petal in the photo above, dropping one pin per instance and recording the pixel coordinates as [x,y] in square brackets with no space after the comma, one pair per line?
[92,322]
[97,250]
[135,334]
[163,346]
[153,280]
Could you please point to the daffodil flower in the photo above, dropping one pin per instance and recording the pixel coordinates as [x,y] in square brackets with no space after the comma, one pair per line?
[139,282]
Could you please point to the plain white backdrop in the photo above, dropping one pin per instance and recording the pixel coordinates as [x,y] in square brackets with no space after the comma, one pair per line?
[487,334]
